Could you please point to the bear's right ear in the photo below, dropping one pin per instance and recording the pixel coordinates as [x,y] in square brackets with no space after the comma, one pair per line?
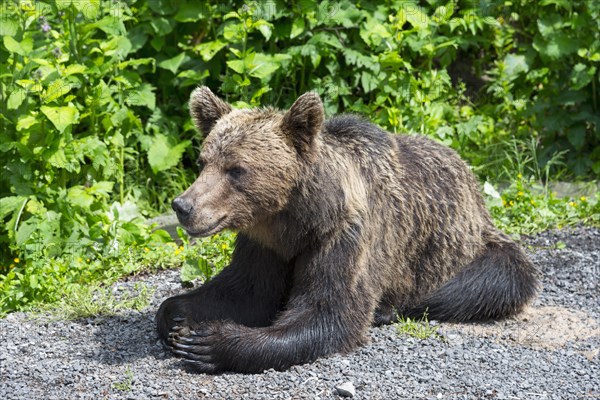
[206,108]
[303,121]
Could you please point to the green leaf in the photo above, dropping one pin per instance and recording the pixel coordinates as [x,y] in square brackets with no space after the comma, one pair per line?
[162,7]
[233,32]
[61,117]
[236,65]
[368,81]
[111,25]
[25,231]
[89,8]
[118,46]
[142,96]
[161,26]
[63,4]
[576,136]
[581,76]
[263,67]
[75,69]
[566,4]
[58,158]
[556,46]
[415,15]
[208,50]
[22,48]
[164,153]
[172,64]
[103,188]
[16,98]
[55,90]
[514,65]
[373,32]
[25,122]
[79,196]
[10,204]
[193,269]
[9,25]
[265,28]
[137,62]
[443,13]
[297,27]
[191,11]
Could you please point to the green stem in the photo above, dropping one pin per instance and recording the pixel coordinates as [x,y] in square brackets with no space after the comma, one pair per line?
[595,93]
[122,174]
[244,44]
[73,34]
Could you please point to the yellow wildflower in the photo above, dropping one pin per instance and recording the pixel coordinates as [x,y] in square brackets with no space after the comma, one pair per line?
[583,198]
[520,194]
[532,202]
[511,203]
[224,246]
[88,260]
[17,260]
[176,251]
[146,249]
[11,266]
[181,248]
[519,176]
[80,259]
[572,204]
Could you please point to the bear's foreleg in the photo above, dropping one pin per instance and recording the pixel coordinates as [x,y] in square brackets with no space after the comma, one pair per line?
[330,309]
[250,291]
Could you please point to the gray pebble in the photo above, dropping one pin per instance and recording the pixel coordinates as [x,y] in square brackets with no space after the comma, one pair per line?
[346,389]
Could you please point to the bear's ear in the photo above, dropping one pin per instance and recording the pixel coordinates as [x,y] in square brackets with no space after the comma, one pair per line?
[304,120]
[206,108]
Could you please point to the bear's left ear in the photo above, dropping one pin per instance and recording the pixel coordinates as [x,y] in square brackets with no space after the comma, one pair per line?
[206,109]
[304,120]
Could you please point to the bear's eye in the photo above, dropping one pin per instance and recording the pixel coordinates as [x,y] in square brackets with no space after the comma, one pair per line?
[235,172]
[200,164]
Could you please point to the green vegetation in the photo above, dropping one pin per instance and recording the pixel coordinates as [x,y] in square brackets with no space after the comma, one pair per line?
[95,134]
[125,384]
[528,208]
[93,301]
[418,328]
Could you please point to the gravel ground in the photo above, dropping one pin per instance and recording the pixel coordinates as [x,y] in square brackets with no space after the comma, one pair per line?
[549,352]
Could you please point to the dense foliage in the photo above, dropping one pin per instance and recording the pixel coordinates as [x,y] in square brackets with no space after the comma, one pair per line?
[95,135]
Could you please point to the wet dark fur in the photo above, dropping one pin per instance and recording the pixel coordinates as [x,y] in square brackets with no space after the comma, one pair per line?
[371,223]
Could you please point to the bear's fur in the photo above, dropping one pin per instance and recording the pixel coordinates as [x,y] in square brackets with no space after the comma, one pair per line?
[341,225]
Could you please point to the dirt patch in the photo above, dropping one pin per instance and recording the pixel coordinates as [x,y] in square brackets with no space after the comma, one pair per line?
[538,327]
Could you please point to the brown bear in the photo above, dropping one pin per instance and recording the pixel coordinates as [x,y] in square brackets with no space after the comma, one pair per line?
[340,225]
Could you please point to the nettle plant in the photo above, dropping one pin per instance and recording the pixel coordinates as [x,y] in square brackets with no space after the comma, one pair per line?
[73,113]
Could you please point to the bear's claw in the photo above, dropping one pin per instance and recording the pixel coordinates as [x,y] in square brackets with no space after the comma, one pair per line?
[196,347]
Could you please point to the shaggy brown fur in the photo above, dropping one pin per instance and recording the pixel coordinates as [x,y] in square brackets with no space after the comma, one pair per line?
[340,224]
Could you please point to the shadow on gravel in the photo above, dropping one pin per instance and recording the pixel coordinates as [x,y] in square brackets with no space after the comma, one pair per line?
[125,338]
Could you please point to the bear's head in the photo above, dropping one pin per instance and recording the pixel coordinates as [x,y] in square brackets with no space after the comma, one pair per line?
[251,160]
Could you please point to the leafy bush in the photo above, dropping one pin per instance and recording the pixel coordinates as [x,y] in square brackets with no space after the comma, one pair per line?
[95,134]
[525,208]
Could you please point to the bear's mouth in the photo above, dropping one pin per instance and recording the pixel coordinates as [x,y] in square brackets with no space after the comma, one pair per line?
[210,230]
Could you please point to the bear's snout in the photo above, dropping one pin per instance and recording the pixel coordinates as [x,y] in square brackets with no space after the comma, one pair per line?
[182,208]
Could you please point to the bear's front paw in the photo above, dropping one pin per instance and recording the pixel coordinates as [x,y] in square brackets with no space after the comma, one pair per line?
[198,346]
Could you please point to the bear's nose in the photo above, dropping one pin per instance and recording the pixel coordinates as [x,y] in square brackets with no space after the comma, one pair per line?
[182,208]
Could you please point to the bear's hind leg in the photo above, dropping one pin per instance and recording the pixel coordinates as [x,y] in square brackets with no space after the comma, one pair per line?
[385,314]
